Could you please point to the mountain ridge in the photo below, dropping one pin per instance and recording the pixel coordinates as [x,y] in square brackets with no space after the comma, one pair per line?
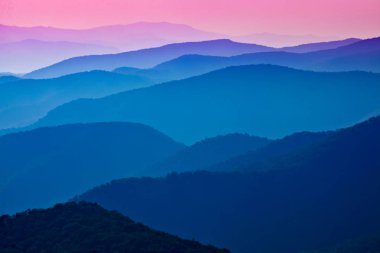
[23,101]
[71,158]
[145,58]
[362,55]
[207,152]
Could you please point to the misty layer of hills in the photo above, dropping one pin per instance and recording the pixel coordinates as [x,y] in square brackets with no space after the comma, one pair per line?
[24,101]
[27,55]
[261,100]
[356,55]
[148,58]
[320,187]
[286,187]
[44,95]
[124,37]
[70,159]
[87,228]
[314,197]
[23,49]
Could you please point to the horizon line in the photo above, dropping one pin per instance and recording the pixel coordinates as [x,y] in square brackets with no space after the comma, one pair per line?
[317,36]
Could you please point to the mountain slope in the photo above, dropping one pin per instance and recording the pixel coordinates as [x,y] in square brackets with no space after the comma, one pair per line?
[210,151]
[261,100]
[265,157]
[86,227]
[25,101]
[318,197]
[146,58]
[48,165]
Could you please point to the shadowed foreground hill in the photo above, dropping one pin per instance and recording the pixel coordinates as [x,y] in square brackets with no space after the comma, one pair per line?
[49,165]
[316,197]
[77,228]
[262,100]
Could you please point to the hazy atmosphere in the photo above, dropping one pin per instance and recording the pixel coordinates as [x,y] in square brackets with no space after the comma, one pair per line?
[170,126]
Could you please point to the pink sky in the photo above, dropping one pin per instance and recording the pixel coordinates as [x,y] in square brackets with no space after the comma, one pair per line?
[342,18]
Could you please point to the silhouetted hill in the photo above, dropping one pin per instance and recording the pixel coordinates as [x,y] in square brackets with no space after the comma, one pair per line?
[322,195]
[49,165]
[25,101]
[261,100]
[210,151]
[264,158]
[86,227]
[146,58]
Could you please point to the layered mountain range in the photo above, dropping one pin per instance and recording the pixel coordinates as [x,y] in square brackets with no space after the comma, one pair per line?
[148,58]
[251,143]
[346,55]
[232,100]
[24,49]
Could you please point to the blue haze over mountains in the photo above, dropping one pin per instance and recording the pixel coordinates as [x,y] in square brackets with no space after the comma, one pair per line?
[242,146]
[262,100]
[147,58]
[42,98]
[23,101]
[70,159]
[357,55]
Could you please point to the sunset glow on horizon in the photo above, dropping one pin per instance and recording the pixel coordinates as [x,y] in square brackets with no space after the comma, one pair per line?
[340,18]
